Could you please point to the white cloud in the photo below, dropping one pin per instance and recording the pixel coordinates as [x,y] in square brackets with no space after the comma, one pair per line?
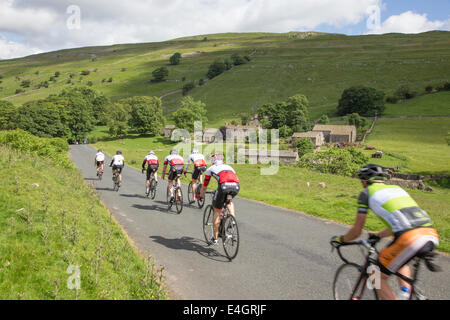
[410,22]
[10,49]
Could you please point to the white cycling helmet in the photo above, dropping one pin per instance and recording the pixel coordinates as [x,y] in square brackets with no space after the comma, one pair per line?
[173,152]
[195,150]
[151,153]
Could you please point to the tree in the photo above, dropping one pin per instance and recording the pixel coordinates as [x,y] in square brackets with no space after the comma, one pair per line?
[237,59]
[7,115]
[189,112]
[286,132]
[405,92]
[356,120]
[188,87]
[175,59]
[216,68]
[324,119]
[160,74]
[118,117]
[146,114]
[298,113]
[362,100]
[304,146]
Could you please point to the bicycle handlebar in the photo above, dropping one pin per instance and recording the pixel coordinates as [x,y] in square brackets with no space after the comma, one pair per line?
[369,244]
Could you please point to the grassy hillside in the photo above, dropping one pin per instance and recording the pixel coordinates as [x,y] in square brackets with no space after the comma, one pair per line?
[321,67]
[50,219]
[421,141]
[428,104]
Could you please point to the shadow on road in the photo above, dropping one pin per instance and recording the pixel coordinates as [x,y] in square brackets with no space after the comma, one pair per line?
[191,244]
[91,179]
[140,196]
[152,207]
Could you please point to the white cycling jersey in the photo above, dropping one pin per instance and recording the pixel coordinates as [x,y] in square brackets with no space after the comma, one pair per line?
[118,160]
[100,156]
[197,159]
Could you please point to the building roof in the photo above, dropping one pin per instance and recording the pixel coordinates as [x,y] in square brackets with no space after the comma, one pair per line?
[272,153]
[239,127]
[340,130]
[170,126]
[309,134]
[211,131]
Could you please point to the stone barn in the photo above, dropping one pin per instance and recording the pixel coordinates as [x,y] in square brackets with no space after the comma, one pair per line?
[337,134]
[212,135]
[317,138]
[167,131]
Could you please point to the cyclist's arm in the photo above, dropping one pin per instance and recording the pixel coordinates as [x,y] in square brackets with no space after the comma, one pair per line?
[205,184]
[187,165]
[357,228]
[385,233]
[164,170]
[143,164]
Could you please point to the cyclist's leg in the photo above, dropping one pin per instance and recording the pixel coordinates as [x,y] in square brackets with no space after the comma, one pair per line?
[216,223]
[170,186]
[385,292]
[155,175]
[218,204]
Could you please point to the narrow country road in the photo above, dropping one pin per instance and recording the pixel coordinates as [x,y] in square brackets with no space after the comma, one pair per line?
[283,254]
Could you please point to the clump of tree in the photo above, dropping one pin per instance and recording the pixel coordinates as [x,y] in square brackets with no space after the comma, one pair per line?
[43,84]
[189,112]
[362,100]
[8,113]
[146,115]
[292,113]
[25,83]
[356,120]
[237,59]
[175,59]
[324,119]
[217,68]
[57,74]
[160,74]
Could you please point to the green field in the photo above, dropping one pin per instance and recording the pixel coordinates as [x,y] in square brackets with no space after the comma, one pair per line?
[320,67]
[426,105]
[421,141]
[50,219]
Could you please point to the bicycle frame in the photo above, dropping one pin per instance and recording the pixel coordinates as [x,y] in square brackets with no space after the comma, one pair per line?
[370,246]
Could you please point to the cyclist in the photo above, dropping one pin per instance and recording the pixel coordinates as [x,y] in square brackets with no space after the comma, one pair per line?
[176,163]
[411,226]
[228,185]
[99,161]
[117,164]
[153,165]
[199,167]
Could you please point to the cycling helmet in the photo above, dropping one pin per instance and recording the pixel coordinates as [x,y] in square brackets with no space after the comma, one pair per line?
[99,150]
[195,150]
[151,153]
[119,152]
[372,172]
[174,152]
[217,158]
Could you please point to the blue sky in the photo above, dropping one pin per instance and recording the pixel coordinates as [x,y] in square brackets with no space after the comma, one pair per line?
[28,27]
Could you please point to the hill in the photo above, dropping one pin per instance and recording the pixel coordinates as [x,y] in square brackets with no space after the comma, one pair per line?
[318,65]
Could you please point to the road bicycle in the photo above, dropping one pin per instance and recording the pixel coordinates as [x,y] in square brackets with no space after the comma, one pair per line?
[228,228]
[198,188]
[116,182]
[178,195]
[352,280]
[99,174]
[151,192]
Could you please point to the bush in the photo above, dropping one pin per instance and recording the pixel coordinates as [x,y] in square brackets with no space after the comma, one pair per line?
[345,162]
[324,119]
[429,89]
[237,59]
[392,99]
[90,83]
[304,146]
[405,92]
[53,148]
[215,69]
[110,79]
[57,74]
[85,72]
[188,87]
[19,91]
[175,59]
[201,82]
[160,74]
[25,83]
[356,120]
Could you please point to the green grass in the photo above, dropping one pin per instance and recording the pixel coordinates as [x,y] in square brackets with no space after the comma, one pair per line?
[63,223]
[421,141]
[288,188]
[428,104]
[320,67]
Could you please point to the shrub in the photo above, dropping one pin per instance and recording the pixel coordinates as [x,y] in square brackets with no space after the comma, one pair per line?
[429,89]
[345,162]
[356,120]
[175,59]
[57,74]
[25,83]
[188,87]
[392,99]
[85,72]
[110,79]
[19,91]
[160,74]
[237,59]
[405,92]
[215,69]
[324,119]
[90,83]
[304,146]
[201,82]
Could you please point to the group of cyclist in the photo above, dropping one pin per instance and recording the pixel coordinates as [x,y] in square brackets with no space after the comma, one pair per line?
[411,227]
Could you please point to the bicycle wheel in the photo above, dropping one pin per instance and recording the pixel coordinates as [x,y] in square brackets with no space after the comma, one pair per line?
[350,284]
[190,193]
[153,189]
[179,200]
[200,201]
[208,230]
[230,237]
[100,175]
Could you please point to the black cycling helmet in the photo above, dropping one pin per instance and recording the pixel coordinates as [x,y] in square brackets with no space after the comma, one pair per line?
[372,172]
[119,152]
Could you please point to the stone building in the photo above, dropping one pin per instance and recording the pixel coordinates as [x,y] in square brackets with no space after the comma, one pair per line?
[317,138]
[337,134]
[167,131]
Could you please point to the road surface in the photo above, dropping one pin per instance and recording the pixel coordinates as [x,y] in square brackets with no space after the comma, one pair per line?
[283,255]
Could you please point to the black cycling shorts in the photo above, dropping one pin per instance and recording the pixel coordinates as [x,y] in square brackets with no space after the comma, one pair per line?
[220,196]
[118,168]
[175,171]
[198,171]
[151,168]
[99,163]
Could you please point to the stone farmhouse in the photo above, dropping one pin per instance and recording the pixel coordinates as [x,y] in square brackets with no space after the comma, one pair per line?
[317,138]
[255,156]
[212,135]
[167,131]
[337,134]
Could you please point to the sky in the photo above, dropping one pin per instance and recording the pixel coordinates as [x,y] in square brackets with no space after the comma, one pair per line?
[35,26]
